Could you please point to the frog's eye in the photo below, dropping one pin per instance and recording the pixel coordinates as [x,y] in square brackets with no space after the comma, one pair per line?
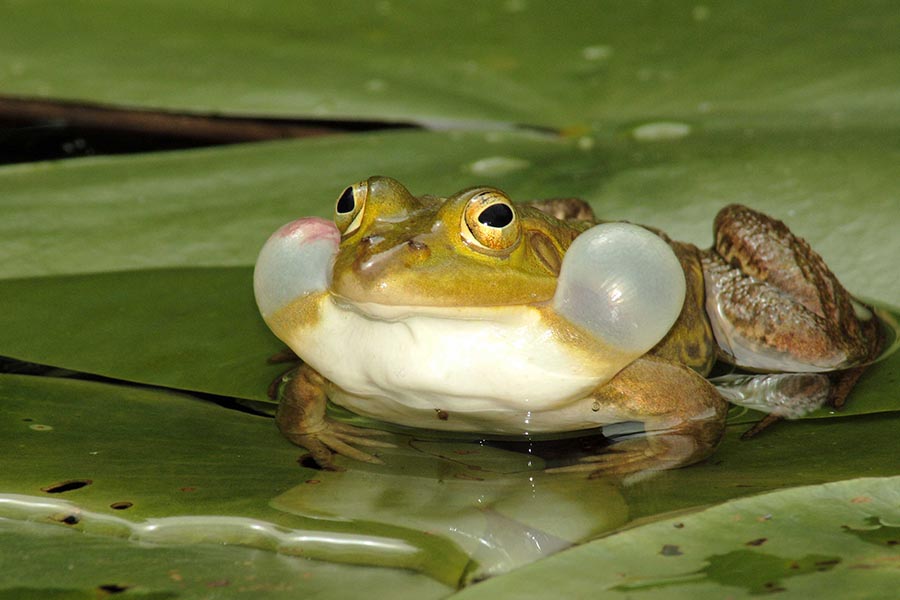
[348,210]
[490,222]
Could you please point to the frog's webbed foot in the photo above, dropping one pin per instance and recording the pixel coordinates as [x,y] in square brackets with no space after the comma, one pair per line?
[793,395]
[773,303]
[301,419]
[336,438]
[653,451]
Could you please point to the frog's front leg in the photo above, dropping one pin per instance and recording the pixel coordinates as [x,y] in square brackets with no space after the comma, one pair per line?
[302,420]
[683,416]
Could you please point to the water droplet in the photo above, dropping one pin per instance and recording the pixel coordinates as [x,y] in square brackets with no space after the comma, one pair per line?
[515,6]
[595,406]
[498,165]
[376,85]
[700,13]
[661,130]
[600,52]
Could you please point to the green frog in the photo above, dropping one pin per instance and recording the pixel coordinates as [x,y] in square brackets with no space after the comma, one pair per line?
[473,313]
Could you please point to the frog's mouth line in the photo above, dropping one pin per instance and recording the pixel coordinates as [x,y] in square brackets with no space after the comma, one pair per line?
[399,312]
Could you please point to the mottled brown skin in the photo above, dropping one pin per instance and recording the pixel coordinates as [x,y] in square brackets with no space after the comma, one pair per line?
[780,293]
[768,285]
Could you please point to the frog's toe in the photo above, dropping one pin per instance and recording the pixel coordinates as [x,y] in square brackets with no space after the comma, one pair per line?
[654,453]
[318,450]
[611,462]
[352,430]
[339,444]
[324,445]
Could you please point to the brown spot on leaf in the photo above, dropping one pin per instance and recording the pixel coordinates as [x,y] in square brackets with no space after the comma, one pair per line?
[67,519]
[66,486]
[670,550]
[112,588]
[757,542]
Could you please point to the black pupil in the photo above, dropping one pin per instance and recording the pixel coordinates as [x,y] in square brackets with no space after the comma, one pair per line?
[496,215]
[346,203]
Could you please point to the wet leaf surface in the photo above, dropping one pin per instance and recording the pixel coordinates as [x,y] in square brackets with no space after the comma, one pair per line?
[44,562]
[791,542]
[119,463]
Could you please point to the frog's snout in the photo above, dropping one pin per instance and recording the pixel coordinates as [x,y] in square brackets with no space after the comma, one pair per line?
[296,260]
[373,257]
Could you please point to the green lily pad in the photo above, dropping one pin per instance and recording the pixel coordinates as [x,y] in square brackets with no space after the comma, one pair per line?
[91,567]
[117,463]
[197,329]
[517,61]
[217,207]
[122,461]
[799,541]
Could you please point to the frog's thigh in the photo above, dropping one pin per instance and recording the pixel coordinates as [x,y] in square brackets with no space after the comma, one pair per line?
[772,301]
[683,415]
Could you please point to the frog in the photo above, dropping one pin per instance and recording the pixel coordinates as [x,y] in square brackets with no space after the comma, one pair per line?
[473,313]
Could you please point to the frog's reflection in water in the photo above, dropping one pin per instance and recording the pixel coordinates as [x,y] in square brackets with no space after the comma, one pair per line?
[498,505]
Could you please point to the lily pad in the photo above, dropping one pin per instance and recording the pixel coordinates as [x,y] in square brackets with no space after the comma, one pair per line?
[217,207]
[115,463]
[799,541]
[50,563]
[513,61]
[76,227]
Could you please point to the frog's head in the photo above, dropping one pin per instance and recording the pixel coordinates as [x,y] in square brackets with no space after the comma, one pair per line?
[475,248]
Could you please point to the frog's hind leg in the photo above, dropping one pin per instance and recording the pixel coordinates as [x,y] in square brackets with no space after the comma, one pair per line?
[773,303]
[682,413]
[775,306]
